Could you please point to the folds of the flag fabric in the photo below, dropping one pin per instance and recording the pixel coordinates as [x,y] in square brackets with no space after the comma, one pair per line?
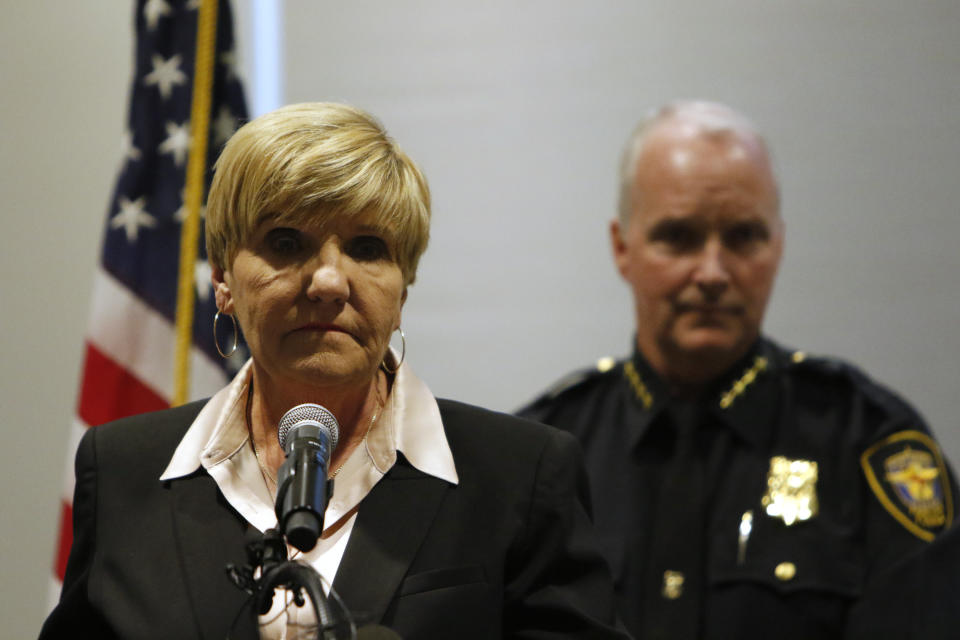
[131,363]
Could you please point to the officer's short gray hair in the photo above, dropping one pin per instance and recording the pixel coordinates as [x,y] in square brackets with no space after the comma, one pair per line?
[712,118]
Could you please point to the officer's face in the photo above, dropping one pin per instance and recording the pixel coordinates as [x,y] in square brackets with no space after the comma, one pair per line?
[701,249]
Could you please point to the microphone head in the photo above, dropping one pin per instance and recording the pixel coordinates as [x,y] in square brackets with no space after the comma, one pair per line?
[308,415]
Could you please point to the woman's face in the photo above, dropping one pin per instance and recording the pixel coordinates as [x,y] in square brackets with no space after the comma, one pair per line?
[317,306]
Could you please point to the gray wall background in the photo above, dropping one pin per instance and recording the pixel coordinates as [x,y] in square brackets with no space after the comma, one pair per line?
[516,111]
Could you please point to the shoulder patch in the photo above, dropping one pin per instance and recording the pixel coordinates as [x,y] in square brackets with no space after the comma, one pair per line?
[907,474]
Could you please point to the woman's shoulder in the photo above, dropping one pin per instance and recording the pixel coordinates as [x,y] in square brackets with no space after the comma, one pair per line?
[503,455]
[474,426]
[145,432]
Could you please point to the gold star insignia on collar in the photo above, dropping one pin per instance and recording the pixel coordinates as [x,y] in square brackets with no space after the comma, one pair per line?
[743,383]
[639,389]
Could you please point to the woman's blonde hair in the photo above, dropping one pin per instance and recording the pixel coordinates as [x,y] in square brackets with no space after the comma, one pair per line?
[312,163]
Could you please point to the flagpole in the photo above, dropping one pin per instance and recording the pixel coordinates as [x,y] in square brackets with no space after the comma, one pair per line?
[196,174]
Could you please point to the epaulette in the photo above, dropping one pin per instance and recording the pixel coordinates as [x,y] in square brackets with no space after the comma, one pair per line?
[834,368]
[801,360]
[578,377]
[822,369]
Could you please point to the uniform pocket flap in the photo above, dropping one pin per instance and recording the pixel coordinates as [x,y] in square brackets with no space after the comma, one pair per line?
[804,557]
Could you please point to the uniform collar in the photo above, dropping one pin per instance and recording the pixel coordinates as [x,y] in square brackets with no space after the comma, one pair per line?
[745,398]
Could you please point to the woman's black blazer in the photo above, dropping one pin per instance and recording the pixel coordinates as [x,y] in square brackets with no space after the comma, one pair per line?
[508,552]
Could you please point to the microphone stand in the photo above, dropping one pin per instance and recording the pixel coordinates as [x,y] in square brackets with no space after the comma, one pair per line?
[267,556]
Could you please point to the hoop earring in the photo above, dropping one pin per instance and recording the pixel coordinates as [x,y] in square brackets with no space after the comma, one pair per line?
[403,354]
[216,341]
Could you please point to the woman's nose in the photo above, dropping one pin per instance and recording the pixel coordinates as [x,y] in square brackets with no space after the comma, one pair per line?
[328,281]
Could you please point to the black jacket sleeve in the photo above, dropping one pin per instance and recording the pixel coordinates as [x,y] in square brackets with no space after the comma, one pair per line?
[74,613]
[561,586]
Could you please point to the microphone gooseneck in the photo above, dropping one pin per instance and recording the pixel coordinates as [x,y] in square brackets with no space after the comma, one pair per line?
[308,434]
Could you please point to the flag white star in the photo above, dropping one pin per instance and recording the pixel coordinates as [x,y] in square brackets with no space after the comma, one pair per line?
[127,149]
[181,214]
[165,74]
[177,142]
[153,10]
[201,276]
[223,126]
[132,216]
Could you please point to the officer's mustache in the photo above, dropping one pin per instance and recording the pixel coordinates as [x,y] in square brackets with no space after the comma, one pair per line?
[705,305]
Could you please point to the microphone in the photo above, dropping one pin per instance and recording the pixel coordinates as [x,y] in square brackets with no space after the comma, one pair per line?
[308,435]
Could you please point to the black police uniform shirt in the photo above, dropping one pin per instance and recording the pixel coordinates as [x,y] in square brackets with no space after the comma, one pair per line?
[811,478]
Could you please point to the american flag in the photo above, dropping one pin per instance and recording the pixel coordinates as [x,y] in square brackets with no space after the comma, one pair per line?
[129,364]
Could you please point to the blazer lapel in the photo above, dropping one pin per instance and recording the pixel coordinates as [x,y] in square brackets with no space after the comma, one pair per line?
[208,535]
[391,524]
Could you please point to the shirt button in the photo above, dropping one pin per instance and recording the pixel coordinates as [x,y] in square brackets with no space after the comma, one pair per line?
[672,585]
[785,571]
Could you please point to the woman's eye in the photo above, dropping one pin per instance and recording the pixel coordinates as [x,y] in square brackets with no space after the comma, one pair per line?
[368,248]
[284,242]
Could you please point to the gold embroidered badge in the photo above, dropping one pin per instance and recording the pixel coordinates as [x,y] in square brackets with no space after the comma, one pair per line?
[791,490]
[908,476]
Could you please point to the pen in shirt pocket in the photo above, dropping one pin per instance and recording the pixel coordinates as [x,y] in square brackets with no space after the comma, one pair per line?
[746,526]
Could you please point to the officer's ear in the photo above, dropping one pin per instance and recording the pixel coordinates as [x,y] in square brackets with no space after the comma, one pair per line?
[618,247]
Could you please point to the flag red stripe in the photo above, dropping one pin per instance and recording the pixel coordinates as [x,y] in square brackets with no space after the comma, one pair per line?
[109,391]
[65,540]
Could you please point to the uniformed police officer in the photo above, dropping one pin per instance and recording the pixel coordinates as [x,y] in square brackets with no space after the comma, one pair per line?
[741,490]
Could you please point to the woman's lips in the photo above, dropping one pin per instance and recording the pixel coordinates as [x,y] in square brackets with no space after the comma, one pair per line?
[321,327]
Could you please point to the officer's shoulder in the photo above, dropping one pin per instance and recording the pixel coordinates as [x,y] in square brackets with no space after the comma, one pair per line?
[573,384]
[804,364]
[899,457]
[837,375]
